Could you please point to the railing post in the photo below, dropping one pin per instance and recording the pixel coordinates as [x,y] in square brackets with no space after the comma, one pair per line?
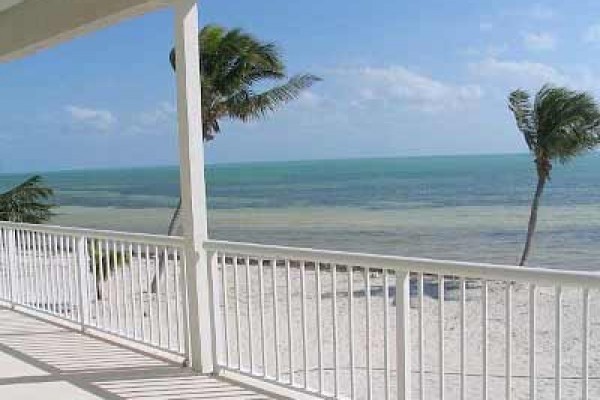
[82,281]
[215,315]
[11,259]
[403,334]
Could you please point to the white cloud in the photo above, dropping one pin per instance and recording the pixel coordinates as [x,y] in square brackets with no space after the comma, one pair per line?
[485,26]
[539,41]
[99,119]
[164,112]
[522,73]
[416,91]
[540,11]
[158,119]
[494,50]
[592,34]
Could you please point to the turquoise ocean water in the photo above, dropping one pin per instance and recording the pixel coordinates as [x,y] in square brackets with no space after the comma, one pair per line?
[465,207]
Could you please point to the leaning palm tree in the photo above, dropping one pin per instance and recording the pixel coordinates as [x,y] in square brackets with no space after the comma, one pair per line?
[27,202]
[560,125]
[234,67]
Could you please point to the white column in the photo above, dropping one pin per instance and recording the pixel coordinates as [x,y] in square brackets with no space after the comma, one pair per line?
[193,191]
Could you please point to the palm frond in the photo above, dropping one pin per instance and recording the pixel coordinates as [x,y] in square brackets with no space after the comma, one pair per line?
[246,106]
[233,63]
[568,122]
[520,104]
[27,202]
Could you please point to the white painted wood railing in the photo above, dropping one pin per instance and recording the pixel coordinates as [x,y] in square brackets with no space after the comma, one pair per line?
[341,325]
[99,279]
[333,324]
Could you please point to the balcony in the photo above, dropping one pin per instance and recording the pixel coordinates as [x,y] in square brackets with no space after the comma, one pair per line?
[290,322]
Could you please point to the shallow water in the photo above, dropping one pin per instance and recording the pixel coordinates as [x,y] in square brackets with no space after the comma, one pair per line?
[469,208]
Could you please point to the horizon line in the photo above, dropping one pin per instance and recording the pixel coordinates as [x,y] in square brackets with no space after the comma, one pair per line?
[251,162]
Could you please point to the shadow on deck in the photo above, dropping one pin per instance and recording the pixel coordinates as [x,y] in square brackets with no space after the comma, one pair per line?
[41,360]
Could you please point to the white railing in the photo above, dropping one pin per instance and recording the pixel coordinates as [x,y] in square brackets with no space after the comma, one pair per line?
[99,279]
[341,325]
[333,324]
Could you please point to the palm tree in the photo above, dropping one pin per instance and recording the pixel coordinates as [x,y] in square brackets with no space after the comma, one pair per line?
[560,125]
[27,202]
[234,67]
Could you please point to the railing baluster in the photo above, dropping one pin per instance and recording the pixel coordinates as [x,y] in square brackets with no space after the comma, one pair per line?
[508,362]
[261,294]
[11,254]
[403,363]
[168,295]
[276,323]
[226,308]
[319,329]
[103,278]
[336,367]
[150,295]
[421,338]
[134,313]
[48,273]
[122,266]
[351,328]
[557,344]
[117,269]
[212,259]
[463,339]
[27,283]
[60,276]
[82,286]
[368,331]
[41,273]
[110,281]
[484,322]
[95,271]
[158,296]
[289,315]
[249,311]
[24,267]
[178,299]
[29,270]
[386,340]
[585,346]
[64,256]
[140,286]
[304,327]
[441,295]
[237,312]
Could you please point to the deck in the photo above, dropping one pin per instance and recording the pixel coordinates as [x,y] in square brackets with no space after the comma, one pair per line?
[42,360]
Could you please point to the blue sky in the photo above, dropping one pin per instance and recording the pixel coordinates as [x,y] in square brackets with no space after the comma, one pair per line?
[400,78]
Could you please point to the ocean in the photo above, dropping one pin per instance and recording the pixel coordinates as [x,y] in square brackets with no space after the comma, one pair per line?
[470,208]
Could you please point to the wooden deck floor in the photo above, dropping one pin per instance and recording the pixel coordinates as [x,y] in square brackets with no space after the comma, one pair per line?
[41,360]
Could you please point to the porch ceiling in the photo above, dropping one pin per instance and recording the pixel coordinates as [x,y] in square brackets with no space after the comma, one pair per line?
[27,26]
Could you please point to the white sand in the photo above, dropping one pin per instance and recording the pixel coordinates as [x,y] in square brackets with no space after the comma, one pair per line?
[571,332]
[545,336]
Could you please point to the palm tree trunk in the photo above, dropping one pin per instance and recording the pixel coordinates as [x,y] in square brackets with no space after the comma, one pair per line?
[533,219]
[162,261]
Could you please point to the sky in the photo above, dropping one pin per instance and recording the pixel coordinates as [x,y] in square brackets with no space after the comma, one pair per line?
[400,78]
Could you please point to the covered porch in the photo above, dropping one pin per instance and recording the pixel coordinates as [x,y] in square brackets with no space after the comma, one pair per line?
[81,319]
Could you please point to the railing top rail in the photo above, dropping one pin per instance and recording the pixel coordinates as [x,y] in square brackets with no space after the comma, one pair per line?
[160,240]
[542,276]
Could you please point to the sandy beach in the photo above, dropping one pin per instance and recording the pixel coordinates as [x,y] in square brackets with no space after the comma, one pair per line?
[545,336]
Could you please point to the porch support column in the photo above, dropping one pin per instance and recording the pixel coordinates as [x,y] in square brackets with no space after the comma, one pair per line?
[193,190]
